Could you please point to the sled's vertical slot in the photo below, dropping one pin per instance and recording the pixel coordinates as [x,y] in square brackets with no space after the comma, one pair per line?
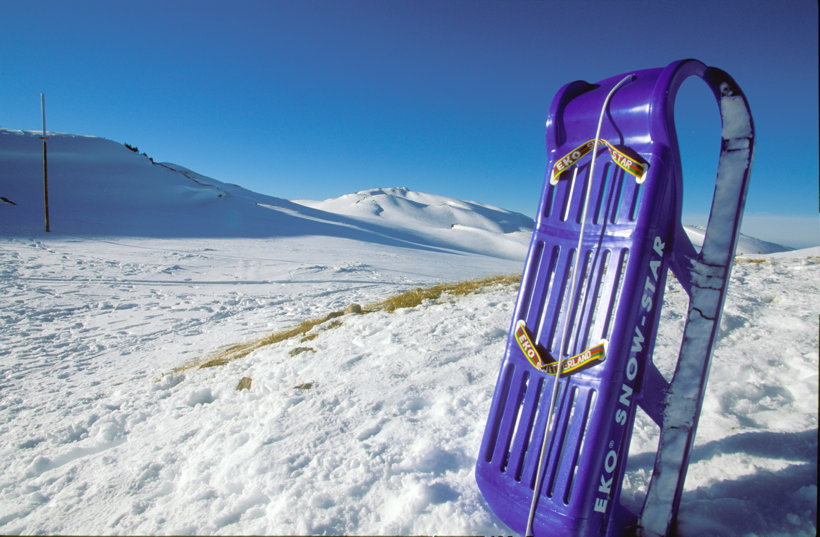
[523,434]
[531,278]
[533,433]
[497,414]
[537,439]
[559,439]
[615,296]
[603,184]
[586,403]
[522,416]
[589,328]
[573,432]
[547,278]
[574,343]
[514,408]
[568,199]
[617,186]
[558,303]
[586,188]
[549,201]
[636,201]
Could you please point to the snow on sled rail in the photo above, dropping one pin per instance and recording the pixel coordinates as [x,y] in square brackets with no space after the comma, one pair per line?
[554,451]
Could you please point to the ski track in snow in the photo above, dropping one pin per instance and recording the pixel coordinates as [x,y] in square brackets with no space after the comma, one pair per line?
[374,427]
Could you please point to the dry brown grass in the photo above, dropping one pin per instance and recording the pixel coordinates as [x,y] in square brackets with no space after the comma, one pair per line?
[240,350]
[244,384]
[413,298]
[408,299]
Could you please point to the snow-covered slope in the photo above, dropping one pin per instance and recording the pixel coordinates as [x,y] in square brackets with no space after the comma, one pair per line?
[101,188]
[372,424]
[745,243]
[439,219]
[467,222]
[406,208]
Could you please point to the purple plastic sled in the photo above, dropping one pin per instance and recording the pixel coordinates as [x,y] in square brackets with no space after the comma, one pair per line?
[626,218]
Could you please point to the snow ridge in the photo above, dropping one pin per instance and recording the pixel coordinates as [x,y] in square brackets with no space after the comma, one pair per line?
[101,188]
[406,208]
[745,243]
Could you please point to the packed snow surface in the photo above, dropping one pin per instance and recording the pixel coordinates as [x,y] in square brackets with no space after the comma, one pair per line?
[371,427]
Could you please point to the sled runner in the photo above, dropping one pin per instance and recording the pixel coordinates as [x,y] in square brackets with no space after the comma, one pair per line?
[609,227]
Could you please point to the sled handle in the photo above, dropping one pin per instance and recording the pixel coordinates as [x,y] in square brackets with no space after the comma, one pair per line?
[737,141]
[707,275]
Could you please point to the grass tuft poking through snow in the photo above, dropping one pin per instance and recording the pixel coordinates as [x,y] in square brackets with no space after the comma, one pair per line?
[240,350]
[244,384]
[407,299]
[296,351]
[413,298]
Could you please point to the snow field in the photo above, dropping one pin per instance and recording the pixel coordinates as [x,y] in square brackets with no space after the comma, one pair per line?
[99,438]
[374,426]
[394,451]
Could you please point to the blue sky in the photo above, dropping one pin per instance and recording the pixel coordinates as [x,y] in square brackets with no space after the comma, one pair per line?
[314,99]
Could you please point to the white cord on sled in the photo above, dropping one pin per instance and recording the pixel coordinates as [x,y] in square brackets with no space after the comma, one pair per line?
[574,290]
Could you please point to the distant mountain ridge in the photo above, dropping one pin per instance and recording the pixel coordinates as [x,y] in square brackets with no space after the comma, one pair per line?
[99,187]
[406,207]
[745,243]
[475,226]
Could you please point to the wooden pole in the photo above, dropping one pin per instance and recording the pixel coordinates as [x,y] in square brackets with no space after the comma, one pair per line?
[45,162]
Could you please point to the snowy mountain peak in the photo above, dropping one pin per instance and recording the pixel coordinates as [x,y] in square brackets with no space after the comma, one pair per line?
[405,207]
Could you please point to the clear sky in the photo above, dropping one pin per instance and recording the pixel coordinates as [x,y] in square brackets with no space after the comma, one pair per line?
[314,99]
